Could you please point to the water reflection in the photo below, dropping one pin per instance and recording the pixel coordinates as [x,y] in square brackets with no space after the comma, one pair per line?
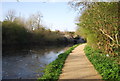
[28,63]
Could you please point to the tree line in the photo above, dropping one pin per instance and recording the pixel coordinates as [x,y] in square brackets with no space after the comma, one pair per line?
[99,24]
[18,31]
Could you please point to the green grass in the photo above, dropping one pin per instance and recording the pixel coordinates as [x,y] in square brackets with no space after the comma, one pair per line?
[54,69]
[107,66]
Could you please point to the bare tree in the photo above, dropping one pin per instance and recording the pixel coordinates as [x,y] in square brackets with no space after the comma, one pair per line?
[30,23]
[34,21]
[10,16]
[37,19]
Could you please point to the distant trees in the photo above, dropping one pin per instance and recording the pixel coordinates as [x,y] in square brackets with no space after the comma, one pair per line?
[34,21]
[10,16]
[14,33]
[18,31]
[99,25]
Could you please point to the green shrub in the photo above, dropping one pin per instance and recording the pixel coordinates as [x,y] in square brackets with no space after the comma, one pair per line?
[105,65]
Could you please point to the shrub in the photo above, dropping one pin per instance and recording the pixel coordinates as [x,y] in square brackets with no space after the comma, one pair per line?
[13,33]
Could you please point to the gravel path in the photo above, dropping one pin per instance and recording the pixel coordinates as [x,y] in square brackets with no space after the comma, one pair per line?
[78,68]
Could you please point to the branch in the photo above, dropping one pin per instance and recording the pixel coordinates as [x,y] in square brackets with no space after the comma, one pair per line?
[111,45]
[116,36]
[107,35]
[111,37]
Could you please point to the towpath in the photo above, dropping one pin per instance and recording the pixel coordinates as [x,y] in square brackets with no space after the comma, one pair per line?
[77,67]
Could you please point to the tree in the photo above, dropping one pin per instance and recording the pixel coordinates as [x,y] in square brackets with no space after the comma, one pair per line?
[38,17]
[99,25]
[10,16]
[34,21]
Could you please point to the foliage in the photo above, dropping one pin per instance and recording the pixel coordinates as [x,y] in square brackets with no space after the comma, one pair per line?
[99,25]
[16,33]
[13,33]
[19,31]
[107,66]
[54,69]
[43,35]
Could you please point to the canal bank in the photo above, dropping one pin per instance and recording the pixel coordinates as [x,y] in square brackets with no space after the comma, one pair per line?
[71,65]
[54,69]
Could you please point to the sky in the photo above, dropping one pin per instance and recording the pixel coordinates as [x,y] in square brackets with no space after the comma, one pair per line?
[56,15]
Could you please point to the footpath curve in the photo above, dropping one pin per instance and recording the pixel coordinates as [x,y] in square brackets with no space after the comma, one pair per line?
[77,67]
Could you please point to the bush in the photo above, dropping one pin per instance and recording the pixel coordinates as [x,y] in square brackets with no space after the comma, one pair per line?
[14,33]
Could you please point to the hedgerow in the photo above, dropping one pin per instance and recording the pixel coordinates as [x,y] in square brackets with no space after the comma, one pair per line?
[98,23]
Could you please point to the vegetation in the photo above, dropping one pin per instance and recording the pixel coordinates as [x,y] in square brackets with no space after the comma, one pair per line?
[107,66]
[99,25]
[14,33]
[17,31]
[54,69]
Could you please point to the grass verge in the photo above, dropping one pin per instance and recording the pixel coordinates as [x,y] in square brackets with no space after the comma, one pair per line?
[106,65]
[54,69]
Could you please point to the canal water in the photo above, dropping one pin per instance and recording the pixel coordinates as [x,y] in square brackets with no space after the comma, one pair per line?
[28,63]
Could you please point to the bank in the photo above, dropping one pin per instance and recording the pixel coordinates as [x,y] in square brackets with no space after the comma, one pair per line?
[106,66]
[54,69]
